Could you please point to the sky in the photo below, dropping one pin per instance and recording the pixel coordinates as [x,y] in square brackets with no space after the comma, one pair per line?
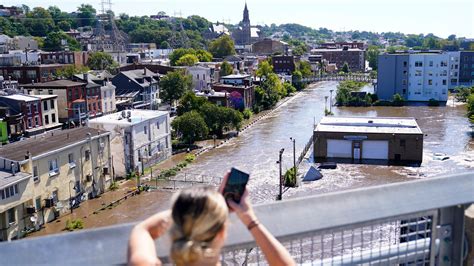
[441,17]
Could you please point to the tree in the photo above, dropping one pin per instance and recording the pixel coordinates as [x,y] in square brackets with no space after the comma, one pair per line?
[187,60]
[190,102]
[203,55]
[226,69]
[345,68]
[174,85]
[39,22]
[86,15]
[372,56]
[398,100]
[289,88]
[191,126]
[219,118]
[264,69]
[71,70]
[470,107]
[305,68]
[222,47]
[298,80]
[59,41]
[100,61]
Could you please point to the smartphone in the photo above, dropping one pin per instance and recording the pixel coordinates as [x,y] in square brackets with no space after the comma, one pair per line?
[235,185]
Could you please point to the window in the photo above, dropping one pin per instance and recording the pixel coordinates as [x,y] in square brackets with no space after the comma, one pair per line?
[53,118]
[430,73]
[46,119]
[35,174]
[9,191]
[53,167]
[158,124]
[430,82]
[28,107]
[30,124]
[71,161]
[444,63]
[45,105]
[37,121]
[11,215]
[145,130]
[418,73]
[404,91]
[50,92]
[418,64]
[69,94]
[51,103]
[444,82]
[404,82]
[431,63]
[403,143]
[38,203]
[88,155]
[405,64]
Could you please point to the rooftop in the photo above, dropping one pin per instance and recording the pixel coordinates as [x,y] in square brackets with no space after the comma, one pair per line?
[47,142]
[45,96]
[8,179]
[337,50]
[136,116]
[236,76]
[21,97]
[60,83]
[398,125]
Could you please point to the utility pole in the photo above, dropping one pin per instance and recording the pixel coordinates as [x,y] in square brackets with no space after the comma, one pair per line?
[330,101]
[294,153]
[280,194]
[325,104]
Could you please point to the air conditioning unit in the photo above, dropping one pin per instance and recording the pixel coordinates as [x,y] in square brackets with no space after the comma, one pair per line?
[105,170]
[89,178]
[30,210]
[48,203]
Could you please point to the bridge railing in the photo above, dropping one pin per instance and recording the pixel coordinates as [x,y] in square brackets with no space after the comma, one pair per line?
[418,222]
[354,77]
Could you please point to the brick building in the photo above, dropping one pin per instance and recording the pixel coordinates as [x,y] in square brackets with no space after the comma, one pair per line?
[355,58]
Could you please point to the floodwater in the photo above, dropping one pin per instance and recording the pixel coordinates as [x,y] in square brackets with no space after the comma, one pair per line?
[256,150]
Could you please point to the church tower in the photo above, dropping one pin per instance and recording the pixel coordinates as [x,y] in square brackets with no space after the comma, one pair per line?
[246,31]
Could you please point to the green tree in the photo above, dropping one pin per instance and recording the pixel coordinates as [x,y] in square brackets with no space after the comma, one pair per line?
[264,69]
[86,15]
[190,126]
[219,118]
[222,47]
[100,61]
[70,71]
[305,68]
[372,56]
[39,22]
[470,107]
[297,80]
[174,85]
[59,41]
[289,88]
[187,60]
[189,102]
[203,55]
[398,100]
[226,69]
[345,68]
[178,53]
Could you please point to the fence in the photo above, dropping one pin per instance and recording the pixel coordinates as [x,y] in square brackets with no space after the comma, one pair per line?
[305,150]
[183,180]
[363,78]
[419,223]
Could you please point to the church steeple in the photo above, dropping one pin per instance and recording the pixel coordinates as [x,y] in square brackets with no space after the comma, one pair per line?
[246,14]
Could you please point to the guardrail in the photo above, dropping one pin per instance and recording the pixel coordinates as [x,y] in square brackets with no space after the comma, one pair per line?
[362,78]
[418,222]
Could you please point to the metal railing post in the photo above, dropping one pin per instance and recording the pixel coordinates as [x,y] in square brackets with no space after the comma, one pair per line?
[451,235]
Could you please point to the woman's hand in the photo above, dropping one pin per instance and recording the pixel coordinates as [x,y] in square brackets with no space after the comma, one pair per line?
[243,209]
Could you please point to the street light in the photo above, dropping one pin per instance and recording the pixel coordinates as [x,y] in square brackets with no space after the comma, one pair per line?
[325,103]
[330,101]
[294,154]
[280,195]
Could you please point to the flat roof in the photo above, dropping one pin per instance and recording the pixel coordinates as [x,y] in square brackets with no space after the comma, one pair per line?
[50,141]
[236,76]
[8,179]
[137,116]
[45,96]
[21,97]
[374,125]
[337,50]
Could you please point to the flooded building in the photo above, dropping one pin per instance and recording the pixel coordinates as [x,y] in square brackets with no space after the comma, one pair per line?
[42,177]
[394,140]
[139,138]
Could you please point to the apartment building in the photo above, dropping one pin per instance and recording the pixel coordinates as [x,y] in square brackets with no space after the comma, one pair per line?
[139,138]
[49,111]
[201,77]
[138,89]
[42,177]
[240,88]
[354,57]
[466,68]
[29,108]
[418,77]
[284,64]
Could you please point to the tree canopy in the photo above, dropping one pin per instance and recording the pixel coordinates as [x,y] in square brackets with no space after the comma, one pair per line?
[59,41]
[191,126]
[226,69]
[100,61]
[174,85]
[222,47]
[187,60]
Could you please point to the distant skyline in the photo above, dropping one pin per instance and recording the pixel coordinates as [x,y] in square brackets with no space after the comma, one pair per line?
[439,17]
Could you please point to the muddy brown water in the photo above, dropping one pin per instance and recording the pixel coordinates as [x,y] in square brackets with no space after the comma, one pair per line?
[446,130]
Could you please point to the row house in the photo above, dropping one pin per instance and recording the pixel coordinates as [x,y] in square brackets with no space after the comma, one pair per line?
[72,98]
[201,77]
[28,74]
[139,138]
[78,59]
[240,88]
[42,178]
[137,89]
[36,113]
[107,89]
[15,127]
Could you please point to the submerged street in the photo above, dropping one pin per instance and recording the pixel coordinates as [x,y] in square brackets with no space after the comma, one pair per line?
[255,151]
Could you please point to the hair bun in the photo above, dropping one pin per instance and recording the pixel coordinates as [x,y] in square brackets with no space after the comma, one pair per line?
[187,251]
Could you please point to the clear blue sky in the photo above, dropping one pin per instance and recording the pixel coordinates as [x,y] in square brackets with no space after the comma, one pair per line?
[441,17]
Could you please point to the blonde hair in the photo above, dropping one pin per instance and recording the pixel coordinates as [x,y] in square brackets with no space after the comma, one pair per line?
[199,214]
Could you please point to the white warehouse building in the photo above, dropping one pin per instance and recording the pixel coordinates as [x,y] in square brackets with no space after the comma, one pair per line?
[138,138]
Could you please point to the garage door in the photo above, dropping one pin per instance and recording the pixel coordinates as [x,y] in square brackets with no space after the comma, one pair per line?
[339,148]
[375,149]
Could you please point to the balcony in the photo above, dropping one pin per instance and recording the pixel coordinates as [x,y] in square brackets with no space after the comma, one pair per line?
[419,222]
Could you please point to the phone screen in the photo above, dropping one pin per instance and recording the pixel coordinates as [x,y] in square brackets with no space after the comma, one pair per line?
[235,186]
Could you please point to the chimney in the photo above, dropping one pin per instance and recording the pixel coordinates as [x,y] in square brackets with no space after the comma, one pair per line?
[85,77]
[27,155]
[144,71]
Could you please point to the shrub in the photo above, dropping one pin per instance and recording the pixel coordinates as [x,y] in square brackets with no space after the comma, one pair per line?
[290,177]
[182,165]
[247,113]
[433,102]
[398,100]
[114,185]
[190,158]
[72,225]
[132,175]
[168,173]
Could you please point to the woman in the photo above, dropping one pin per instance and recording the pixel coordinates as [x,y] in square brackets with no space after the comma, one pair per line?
[198,224]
